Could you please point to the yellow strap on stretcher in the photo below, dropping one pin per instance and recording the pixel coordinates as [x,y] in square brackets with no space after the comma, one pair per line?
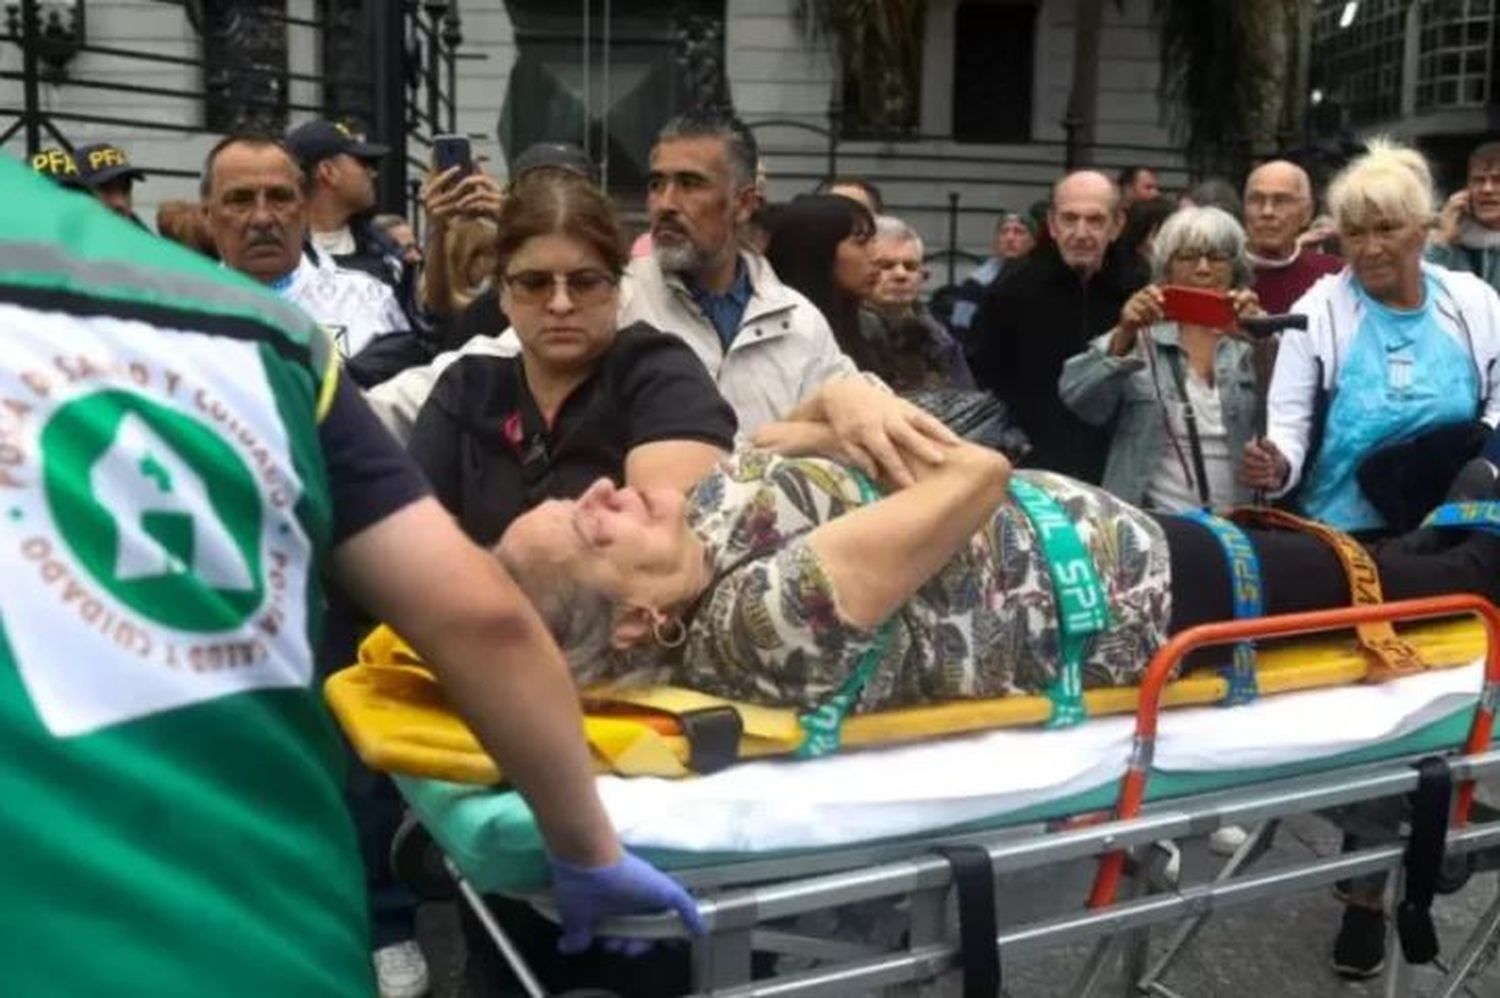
[398,721]
[1392,657]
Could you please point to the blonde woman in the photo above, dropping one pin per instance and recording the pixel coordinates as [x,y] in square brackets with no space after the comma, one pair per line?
[1395,348]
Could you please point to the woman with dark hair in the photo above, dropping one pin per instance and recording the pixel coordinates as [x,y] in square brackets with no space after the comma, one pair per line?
[583,399]
[820,245]
[1132,249]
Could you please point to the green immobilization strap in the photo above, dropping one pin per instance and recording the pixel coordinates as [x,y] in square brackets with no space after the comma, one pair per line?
[1082,603]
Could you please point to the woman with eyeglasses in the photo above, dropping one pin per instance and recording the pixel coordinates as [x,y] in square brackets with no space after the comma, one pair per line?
[1178,397]
[582,400]
[1376,404]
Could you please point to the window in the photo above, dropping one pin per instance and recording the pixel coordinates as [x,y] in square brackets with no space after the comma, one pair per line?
[993,56]
[1455,46]
[348,89]
[663,57]
[1358,68]
[245,66]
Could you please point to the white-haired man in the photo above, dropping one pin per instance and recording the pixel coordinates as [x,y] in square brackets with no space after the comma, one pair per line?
[1278,208]
[898,253]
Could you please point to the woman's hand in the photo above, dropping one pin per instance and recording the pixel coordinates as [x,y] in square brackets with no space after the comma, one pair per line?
[1246,305]
[874,430]
[1263,467]
[444,197]
[1141,310]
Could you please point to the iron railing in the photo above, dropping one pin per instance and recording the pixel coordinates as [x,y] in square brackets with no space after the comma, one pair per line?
[388,67]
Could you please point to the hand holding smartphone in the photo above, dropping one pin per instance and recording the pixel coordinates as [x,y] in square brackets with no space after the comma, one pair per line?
[1198,307]
[449,151]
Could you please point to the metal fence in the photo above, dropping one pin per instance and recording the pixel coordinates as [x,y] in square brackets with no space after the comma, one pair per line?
[387,67]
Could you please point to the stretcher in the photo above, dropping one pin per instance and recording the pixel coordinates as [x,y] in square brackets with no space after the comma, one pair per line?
[767,840]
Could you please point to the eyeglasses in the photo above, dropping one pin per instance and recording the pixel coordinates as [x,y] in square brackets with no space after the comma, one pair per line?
[1215,257]
[583,287]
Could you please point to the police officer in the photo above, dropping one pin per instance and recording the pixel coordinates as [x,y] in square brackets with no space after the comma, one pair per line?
[107,171]
[59,166]
[180,461]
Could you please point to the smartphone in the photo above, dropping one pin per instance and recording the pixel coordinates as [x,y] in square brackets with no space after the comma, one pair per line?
[449,151]
[1198,307]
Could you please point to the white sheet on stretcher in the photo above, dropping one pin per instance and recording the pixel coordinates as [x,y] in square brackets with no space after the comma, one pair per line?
[885,793]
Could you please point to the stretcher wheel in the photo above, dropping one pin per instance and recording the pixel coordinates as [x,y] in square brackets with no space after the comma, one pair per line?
[1453,876]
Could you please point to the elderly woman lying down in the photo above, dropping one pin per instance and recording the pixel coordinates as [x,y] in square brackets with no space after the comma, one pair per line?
[774,578]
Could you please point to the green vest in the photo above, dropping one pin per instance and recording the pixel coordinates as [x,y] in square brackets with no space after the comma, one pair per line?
[171,816]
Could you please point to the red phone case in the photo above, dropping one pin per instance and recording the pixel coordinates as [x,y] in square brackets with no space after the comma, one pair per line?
[1198,307]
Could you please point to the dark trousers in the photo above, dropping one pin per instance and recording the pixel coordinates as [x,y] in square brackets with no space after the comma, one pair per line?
[1299,572]
[376,807]
[374,802]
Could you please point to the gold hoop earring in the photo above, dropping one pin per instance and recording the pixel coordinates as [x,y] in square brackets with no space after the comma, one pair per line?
[669,632]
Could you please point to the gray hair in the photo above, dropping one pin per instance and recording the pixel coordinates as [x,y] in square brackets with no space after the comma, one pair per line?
[1390,180]
[739,141]
[897,231]
[255,140]
[580,620]
[1202,229]
[385,223]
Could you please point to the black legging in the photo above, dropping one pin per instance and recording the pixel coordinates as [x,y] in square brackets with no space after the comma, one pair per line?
[1300,572]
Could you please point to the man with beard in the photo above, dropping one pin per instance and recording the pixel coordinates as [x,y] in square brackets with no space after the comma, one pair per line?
[1278,207]
[1048,309]
[766,345]
[1468,235]
[253,200]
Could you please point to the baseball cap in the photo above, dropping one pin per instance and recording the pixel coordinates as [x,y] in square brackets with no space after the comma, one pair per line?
[59,165]
[562,155]
[101,162]
[315,141]
[1025,218]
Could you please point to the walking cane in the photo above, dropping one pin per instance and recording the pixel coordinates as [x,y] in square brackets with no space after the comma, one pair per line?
[1262,330]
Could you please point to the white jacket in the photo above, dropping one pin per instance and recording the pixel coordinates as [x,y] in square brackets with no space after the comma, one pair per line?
[1467,308]
[354,306]
[783,353]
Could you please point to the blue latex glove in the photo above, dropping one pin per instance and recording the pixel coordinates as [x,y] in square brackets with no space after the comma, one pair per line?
[629,886]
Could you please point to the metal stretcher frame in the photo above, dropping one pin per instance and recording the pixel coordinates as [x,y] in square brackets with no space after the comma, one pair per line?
[737,917]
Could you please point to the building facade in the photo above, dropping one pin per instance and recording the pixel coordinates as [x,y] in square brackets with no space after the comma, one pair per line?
[1421,70]
[979,115]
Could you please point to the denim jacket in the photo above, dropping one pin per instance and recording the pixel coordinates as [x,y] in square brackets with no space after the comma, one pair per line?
[1117,393]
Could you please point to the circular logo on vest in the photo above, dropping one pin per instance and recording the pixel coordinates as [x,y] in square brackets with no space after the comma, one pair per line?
[158,508]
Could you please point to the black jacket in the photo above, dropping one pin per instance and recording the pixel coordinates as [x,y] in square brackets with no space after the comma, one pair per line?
[1030,321]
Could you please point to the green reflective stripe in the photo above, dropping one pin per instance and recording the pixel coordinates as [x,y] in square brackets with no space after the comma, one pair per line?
[823,726]
[1082,603]
[219,291]
[60,242]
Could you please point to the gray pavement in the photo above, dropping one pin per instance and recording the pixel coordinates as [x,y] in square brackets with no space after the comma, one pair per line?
[1277,948]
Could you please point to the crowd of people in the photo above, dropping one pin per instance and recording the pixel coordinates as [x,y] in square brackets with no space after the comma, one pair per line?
[727,455]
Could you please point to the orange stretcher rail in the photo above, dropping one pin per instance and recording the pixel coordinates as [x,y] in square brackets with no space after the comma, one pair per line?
[1133,786]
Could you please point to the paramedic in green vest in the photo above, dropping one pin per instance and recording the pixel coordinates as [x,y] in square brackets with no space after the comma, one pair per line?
[180,461]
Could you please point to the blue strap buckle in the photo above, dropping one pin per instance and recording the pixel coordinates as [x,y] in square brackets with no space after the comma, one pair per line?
[1248,599]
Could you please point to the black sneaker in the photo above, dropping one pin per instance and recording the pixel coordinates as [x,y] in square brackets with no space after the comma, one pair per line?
[1359,951]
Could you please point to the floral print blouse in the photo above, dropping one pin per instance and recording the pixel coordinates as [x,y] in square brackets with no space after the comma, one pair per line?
[769,631]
